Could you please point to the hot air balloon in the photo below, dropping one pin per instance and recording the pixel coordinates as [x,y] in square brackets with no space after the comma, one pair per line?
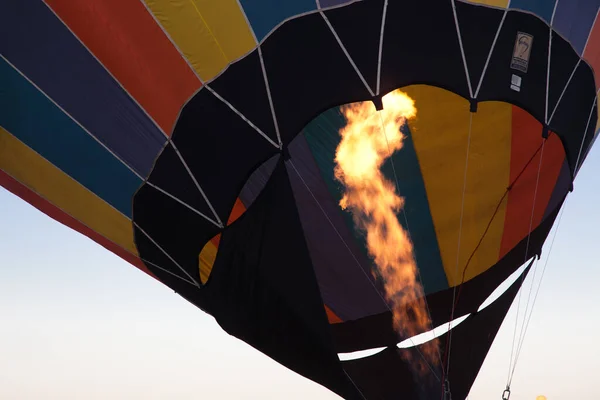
[196,140]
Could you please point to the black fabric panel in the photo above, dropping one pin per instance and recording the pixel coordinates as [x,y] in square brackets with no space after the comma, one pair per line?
[562,62]
[245,89]
[571,116]
[257,181]
[497,80]
[220,149]
[478,26]
[308,73]
[377,330]
[471,340]
[388,374]
[263,289]
[179,231]
[359,29]
[421,46]
[170,175]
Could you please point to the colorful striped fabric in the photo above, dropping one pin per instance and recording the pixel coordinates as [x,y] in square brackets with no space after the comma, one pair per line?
[159,128]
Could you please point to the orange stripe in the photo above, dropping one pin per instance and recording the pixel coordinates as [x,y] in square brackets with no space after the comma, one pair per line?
[123,35]
[526,139]
[333,319]
[54,212]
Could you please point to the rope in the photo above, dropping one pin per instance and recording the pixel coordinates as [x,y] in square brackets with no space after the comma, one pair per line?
[537,291]
[509,378]
[446,371]
[460,286]
[526,319]
[358,263]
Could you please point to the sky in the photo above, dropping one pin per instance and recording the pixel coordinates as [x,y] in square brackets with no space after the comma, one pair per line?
[78,322]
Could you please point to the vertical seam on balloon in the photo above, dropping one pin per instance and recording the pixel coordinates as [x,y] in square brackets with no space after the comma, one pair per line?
[264,72]
[489,57]
[462,49]
[183,203]
[553,13]
[210,31]
[590,33]
[166,270]
[105,68]
[167,137]
[205,84]
[72,118]
[195,283]
[108,71]
[339,41]
[548,74]
[381,35]
[581,57]
[564,91]
[239,114]
[77,219]
[168,36]
[269,96]
[551,31]
[65,173]
[36,193]
[142,179]
[189,171]
[202,82]
[587,126]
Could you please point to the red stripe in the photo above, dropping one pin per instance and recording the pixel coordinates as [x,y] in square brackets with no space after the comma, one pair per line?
[54,212]
[124,36]
[592,51]
[526,141]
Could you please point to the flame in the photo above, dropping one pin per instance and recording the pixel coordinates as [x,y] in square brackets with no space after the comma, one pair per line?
[374,204]
[541,398]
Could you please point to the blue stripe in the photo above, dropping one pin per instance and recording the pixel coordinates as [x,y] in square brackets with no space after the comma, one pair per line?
[264,15]
[27,114]
[34,40]
[541,8]
[323,138]
[420,222]
[574,19]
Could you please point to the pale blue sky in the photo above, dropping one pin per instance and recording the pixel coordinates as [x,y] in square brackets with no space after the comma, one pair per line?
[77,322]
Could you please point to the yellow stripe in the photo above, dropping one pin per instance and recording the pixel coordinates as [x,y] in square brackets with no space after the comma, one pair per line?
[440,134]
[210,34]
[206,261]
[29,168]
[496,3]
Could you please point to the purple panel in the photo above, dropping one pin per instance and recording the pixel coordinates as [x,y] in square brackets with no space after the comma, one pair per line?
[39,45]
[561,188]
[573,19]
[330,3]
[257,181]
[346,287]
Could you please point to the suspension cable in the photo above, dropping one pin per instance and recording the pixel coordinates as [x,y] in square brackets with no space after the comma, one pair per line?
[508,380]
[446,371]
[520,346]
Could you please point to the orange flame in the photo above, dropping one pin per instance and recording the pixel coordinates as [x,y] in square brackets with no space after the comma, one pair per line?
[374,204]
